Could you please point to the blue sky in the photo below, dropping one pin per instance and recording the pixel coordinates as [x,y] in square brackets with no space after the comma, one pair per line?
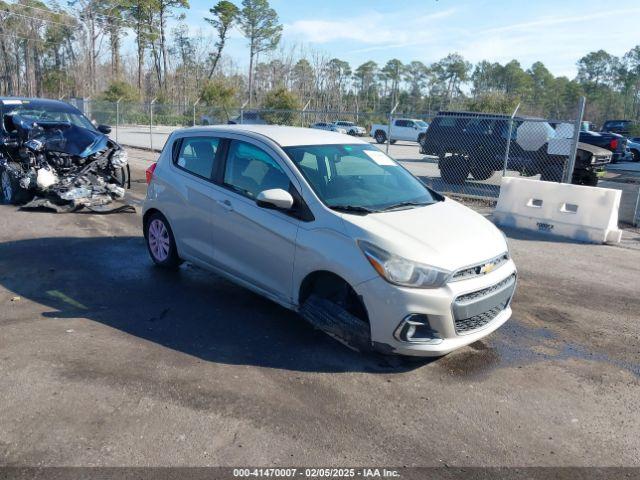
[556,32]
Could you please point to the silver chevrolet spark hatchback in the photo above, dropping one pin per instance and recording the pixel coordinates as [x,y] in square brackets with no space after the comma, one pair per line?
[330,226]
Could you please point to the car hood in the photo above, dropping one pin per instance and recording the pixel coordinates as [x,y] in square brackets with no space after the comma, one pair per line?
[445,234]
[63,137]
[593,149]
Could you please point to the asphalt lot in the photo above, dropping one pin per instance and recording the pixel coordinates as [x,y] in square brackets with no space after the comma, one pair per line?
[106,360]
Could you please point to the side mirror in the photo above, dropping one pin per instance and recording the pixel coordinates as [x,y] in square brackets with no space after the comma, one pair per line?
[104,129]
[275,198]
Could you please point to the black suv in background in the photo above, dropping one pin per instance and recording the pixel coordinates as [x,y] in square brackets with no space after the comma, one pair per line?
[475,143]
[621,127]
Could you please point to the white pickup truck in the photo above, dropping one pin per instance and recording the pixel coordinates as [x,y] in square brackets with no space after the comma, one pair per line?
[409,129]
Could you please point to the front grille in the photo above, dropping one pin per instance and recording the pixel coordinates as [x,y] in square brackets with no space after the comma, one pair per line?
[467,325]
[467,297]
[480,268]
[474,310]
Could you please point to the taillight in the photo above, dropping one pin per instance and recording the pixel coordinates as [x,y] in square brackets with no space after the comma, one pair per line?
[614,144]
[149,172]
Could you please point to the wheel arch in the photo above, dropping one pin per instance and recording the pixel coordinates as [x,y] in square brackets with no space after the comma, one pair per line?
[322,281]
[145,218]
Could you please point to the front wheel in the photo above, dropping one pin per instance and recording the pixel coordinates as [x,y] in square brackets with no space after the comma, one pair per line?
[10,190]
[635,155]
[161,242]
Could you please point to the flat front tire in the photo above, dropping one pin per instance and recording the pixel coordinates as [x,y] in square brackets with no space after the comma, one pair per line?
[161,242]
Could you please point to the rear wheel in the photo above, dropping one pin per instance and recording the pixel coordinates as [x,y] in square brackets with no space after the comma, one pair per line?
[380,136]
[481,172]
[635,155]
[161,242]
[392,142]
[454,169]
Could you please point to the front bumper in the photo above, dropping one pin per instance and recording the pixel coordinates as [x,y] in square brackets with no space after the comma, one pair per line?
[387,305]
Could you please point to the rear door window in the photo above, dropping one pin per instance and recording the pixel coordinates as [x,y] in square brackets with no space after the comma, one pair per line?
[197,156]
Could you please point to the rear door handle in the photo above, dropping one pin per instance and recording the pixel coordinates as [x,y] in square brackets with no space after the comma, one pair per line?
[226,204]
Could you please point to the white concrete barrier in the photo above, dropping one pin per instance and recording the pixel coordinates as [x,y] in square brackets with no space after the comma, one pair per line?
[588,214]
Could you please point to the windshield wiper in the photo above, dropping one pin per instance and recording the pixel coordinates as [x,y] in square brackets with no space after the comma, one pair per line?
[405,204]
[352,209]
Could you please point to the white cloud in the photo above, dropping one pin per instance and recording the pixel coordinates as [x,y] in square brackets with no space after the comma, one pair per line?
[398,29]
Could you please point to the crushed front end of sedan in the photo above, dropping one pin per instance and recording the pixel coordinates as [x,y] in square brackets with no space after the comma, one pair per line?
[53,157]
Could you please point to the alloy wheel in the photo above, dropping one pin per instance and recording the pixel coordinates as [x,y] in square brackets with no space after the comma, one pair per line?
[159,242]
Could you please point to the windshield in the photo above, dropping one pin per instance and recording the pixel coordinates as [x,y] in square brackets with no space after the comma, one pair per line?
[420,123]
[358,177]
[50,113]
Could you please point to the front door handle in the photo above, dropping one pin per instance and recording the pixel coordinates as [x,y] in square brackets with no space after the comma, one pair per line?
[226,204]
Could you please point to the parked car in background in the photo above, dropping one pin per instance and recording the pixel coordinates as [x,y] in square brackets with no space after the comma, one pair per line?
[622,127]
[351,128]
[249,117]
[633,145]
[407,129]
[329,226]
[615,143]
[330,127]
[469,143]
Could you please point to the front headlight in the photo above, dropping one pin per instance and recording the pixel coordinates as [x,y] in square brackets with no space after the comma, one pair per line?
[400,271]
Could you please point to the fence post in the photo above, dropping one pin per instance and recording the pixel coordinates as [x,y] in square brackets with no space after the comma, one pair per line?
[506,151]
[194,111]
[306,105]
[242,112]
[151,122]
[636,211]
[574,144]
[118,116]
[389,129]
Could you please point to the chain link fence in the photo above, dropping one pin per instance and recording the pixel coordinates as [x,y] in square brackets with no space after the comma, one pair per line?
[464,154]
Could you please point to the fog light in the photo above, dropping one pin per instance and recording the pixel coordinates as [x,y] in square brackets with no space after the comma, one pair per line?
[416,329]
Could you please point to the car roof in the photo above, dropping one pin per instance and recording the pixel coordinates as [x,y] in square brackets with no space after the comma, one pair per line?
[284,136]
[38,103]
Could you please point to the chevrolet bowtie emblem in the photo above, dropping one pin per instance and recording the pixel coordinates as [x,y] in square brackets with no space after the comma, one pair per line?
[488,267]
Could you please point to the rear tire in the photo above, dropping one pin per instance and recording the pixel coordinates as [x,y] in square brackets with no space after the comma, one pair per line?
[635,155]
[454,169]
[161,242]
[380,136]
[392,142]
[481,172]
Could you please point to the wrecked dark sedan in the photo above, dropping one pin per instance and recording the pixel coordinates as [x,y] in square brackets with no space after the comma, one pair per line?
[52,156]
